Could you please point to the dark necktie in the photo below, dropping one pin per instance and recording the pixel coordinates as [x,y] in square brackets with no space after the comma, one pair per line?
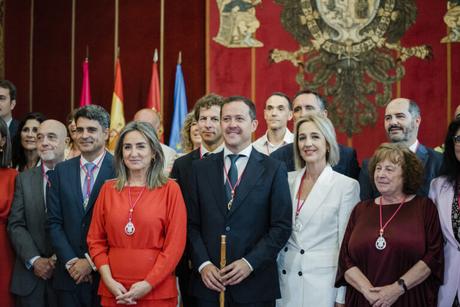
[232,176]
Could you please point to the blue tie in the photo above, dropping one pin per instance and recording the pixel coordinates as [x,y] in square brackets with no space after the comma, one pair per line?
[232,175]
[89,176]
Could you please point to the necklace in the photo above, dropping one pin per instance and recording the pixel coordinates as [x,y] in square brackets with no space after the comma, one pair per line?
[129,228]
[381,243]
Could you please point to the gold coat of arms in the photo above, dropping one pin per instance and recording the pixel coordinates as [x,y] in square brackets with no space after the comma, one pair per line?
[351,50]
[238,23]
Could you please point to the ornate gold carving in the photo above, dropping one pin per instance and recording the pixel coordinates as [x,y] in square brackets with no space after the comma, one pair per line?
[238,23]
[452,20]
[353,52]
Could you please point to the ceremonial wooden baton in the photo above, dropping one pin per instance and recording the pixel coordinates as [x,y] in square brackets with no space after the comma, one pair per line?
[223,262]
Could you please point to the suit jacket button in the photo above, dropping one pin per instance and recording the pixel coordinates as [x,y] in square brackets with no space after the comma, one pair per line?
[300,273]
[284,272]
[285,249]
[302,252]
[227,228]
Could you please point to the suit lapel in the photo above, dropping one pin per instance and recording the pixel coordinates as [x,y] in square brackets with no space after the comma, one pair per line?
[253,171]
[320,190]
[77,184]
[215,176]
[422,154]
[447,196]
[36,187]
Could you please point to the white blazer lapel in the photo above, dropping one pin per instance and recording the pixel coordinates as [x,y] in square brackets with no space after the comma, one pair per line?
[319,192]
[446,196]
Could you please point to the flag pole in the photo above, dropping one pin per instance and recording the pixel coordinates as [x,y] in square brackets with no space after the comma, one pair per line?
[87,53]
[162,48]
[179,59]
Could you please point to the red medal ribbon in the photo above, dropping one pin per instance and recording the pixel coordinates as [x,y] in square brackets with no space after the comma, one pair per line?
[382,228]
[131,204]
[237,183]
[300,205]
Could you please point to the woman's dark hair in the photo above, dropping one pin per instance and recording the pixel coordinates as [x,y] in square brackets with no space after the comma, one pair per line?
[19,157]
[5,150]
[450,165]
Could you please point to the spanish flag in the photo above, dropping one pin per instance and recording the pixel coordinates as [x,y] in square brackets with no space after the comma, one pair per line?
[117,117]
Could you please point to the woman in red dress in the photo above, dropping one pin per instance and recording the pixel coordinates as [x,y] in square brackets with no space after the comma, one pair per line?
[138,229]
[392,250]
[7,180]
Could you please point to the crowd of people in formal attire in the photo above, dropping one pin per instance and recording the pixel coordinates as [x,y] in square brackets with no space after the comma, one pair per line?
[287,220]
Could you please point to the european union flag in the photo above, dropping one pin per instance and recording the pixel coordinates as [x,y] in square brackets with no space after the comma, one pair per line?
[180,110]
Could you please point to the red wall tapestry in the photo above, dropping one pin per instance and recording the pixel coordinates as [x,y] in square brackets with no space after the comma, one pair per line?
[433,83]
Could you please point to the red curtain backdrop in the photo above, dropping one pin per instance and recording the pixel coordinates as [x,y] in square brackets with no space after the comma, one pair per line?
[138,36]
[425,81]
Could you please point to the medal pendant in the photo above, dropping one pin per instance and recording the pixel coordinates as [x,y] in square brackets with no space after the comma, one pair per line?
[230,203]
[130,229]
[297,225]
[380,243]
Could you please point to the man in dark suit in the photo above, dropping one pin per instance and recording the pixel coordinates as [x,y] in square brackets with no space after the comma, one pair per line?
[402,121]
[307,102]
[74,187]
[244,195]
[35,261]
[207,114]
[7,104]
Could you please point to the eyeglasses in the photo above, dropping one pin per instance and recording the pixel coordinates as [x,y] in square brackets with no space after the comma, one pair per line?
[456,139]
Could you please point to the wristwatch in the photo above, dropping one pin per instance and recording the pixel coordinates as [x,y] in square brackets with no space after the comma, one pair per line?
[402,284]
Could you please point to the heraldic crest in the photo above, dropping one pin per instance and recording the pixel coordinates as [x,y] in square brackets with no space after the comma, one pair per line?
[351,50]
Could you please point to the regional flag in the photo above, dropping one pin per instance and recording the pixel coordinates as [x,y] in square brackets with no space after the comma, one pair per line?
[85,97]
[153,99]
[117,117]
[180,109]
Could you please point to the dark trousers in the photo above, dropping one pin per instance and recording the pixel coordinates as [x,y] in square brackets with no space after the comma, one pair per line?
[229,302]
[42,296]
[85,295]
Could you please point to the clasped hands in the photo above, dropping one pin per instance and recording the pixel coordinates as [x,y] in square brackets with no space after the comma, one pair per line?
[123,296]
[80,270]
[383,296]
[44,267]
[216,279]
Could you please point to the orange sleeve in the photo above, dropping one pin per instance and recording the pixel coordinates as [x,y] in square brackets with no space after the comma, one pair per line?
[175,231]
[97,235]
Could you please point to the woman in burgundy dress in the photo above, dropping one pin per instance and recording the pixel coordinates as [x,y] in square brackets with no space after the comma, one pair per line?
[7,178]
[392,251]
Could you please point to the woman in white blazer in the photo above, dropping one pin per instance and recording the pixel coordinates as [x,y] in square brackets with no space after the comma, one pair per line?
[444,192]
[322,202]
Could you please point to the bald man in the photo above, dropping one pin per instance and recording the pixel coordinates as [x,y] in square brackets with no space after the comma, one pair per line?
[35,261]
[153,118]
[402,121]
